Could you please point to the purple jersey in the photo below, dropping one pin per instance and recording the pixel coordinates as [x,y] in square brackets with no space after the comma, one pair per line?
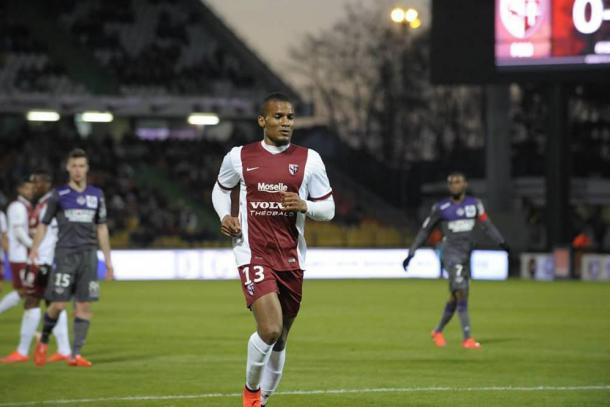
[77,214]
[457,221]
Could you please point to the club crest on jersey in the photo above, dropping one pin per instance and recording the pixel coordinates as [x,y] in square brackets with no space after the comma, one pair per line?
[91,201]
[81,200]
[293,169]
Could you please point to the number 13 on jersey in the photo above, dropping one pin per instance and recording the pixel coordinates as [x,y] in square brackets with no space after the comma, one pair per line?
[259,274]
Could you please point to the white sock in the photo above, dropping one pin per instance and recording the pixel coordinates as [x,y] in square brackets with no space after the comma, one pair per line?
[258,354]
[9,301]
[61,334]
[272,374]
[29,323]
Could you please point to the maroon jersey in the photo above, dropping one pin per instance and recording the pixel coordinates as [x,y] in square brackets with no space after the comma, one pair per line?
[271,235]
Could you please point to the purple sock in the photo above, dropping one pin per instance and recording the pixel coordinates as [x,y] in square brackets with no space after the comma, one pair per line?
[447,314]
[462,308]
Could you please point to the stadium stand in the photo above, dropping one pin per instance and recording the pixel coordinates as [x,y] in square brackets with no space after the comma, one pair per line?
[159,192]
[25,66]
[155,47]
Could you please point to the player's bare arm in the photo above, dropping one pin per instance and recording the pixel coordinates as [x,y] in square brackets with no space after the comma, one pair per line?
[291,201]
[104,242]
[230,226]
[41,231]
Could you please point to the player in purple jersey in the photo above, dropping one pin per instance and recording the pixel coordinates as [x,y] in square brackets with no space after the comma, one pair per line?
[80,211]
[458,216]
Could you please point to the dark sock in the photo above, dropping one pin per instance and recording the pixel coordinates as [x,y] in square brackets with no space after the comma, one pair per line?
[462,308]
[447,314]
[47,327]
[81,327]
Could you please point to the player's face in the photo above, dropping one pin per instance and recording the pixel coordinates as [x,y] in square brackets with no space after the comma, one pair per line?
[457,185]
[77,169]
[277,122]
[26,190]
[41,186]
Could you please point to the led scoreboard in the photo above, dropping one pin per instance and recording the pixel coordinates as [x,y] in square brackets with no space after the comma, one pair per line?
[552,33]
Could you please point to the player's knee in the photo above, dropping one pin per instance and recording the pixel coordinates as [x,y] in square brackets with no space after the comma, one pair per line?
[462,305]
[270,333]
[58,306]
[84,313]
[54,309]
[460,295]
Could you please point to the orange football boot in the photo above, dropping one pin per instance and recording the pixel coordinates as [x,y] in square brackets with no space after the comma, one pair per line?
[470,343]
[439,339]
[251,398]
[14,357]
[57,357]
[79,361]
[40,354]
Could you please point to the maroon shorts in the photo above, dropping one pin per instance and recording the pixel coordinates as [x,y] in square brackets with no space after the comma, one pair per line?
[18,274]
[258,280]
[35,280]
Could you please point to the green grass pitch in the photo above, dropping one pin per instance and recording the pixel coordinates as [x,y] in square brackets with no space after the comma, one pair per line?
[182,343]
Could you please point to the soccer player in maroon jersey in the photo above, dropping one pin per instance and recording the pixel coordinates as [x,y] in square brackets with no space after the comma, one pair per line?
[35,282]
[19,241]
[280,184]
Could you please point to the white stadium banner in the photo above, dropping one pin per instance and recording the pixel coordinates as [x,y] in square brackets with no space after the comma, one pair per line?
[489,265]
[219,264]
[537,266]
[595,267]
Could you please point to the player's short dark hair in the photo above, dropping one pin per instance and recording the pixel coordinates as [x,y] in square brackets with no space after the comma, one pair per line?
[456,174]
[77,153]
[275,96]
[22,181]
[42,173]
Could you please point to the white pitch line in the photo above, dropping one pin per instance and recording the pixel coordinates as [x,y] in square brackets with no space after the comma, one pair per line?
[313,392]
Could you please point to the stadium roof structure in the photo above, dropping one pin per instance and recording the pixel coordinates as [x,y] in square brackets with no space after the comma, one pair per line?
[98,84]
